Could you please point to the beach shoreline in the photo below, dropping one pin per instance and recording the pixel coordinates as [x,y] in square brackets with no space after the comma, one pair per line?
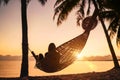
[113,74]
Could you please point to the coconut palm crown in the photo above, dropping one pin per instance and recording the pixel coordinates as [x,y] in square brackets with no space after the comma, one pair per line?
[64,7]
[111,12]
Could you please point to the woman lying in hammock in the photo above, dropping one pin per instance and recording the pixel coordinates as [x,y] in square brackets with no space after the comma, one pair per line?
[50,62]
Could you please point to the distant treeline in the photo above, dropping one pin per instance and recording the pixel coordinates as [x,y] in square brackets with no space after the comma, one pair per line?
[100,58]
[91,58]
[12,58]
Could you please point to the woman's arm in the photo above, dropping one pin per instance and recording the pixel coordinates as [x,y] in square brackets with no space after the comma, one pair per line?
[34,55]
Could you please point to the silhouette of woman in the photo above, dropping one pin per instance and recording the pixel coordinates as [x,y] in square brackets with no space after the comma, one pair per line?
[51,59]
[51,49]
[40,57]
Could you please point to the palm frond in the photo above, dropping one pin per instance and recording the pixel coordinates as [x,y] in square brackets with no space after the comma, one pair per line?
[0,2]
[100,4]
[81,11]
[107,14]
[88,10]
[82,7]
[28,1]
[42,1]
[115,5]
[79,17]
[5,2]
[59,9]
[113,27]
[64,9]
[58,2]
[118,37]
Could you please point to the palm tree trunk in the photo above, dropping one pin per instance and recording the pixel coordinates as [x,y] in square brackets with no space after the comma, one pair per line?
[116,63]
[24,65]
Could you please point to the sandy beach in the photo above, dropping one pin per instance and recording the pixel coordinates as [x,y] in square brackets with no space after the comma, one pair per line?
[113,74]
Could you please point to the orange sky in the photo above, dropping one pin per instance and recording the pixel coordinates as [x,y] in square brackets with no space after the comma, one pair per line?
[43,30]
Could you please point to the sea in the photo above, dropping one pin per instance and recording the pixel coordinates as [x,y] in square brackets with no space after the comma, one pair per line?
[13,68]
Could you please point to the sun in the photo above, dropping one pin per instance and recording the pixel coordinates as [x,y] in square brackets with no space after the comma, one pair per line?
[79,56]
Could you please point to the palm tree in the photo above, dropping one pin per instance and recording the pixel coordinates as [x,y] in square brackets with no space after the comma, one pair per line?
[64,7]
[116,63]
[24,65]
[113,16]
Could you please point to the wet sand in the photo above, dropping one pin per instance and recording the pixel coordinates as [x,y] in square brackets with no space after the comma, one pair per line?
[113,74]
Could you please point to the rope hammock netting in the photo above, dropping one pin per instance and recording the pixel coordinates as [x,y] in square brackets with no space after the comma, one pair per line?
[58,58]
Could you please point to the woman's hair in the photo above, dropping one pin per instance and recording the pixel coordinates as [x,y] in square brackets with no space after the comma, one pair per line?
[40,56]
[51,47]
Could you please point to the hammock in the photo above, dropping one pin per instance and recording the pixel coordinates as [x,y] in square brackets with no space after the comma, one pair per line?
[68,51]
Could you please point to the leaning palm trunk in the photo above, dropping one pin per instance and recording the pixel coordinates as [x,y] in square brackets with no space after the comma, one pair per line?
[24,65]
[116,64]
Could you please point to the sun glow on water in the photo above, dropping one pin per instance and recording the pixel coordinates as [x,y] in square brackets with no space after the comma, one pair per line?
[91,65]
[79,56]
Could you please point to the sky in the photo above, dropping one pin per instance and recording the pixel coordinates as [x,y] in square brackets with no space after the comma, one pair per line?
[42,30]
